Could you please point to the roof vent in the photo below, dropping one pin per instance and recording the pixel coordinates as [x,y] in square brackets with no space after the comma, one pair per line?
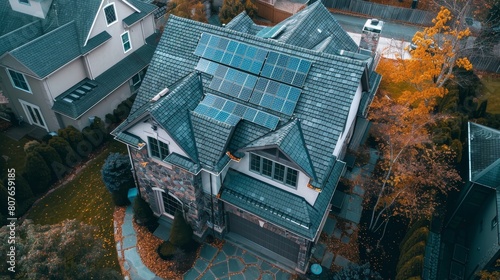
[374,21]
[160,94]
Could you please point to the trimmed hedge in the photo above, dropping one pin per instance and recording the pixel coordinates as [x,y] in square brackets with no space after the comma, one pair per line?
[417,225]
[37,173]
[166,250]
[418,236]
[416,250]
[181,232]
[412,268]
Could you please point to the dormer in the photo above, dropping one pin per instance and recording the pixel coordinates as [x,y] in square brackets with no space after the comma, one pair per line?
[36,8]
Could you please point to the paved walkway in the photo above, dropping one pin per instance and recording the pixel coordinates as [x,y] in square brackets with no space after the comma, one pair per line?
[127,251]
[229,263]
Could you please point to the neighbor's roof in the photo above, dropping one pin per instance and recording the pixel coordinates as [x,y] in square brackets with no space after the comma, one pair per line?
[322,108]
[44,45]
[484,155]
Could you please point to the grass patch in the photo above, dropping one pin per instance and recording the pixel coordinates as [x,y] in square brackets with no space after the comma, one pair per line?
[86,199]
[15,151]
[491,89]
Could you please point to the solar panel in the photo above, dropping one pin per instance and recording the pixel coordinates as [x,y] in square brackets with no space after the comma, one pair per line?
[230,112]
[232,53]
[287,69]
[275,96]
[232,82]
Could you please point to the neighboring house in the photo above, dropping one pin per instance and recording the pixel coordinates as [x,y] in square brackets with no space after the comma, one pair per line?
[63,62]
[471,236]
[243,128]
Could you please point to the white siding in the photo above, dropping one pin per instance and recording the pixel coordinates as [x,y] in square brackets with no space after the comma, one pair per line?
[66,77]
[144,130]
[350,122]
[302,190]
[111,52]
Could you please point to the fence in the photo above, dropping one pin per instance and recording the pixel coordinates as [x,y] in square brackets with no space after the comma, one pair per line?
[485,63]
[380,11]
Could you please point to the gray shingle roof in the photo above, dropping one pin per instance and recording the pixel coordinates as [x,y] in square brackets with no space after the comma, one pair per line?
[145,9]
[290,141]
[313,25]
[131,139]
[244,24]
[106,83]
[172,112]
[211,138]
[484,149]
[49,52]
[183,163]
[44,45]
[277,206]
[322,108]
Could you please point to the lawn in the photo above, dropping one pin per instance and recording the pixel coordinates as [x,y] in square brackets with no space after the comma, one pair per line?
[86,199]
[14,150]
[491,91]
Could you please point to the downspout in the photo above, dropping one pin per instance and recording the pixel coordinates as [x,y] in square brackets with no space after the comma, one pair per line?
[133,171]
[212,205]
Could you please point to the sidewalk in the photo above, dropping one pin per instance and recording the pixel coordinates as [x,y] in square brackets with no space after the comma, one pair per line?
[127,251]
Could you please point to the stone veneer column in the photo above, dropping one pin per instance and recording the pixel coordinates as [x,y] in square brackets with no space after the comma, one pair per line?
[180,183]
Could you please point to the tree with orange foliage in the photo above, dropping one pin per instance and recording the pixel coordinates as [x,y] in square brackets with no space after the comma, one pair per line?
[232,8]
[413,170]
[192,9]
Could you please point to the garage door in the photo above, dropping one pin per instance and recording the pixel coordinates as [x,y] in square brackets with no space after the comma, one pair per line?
[265,238]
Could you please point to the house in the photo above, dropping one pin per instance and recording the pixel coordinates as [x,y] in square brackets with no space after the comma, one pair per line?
[243,128]
[63,62]
[471,238]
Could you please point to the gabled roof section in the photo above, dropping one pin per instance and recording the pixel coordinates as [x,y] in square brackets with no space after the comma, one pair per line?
[141,8]
[290,141]
[20,36]
[211,138]
[312,26]
[172,112]
[484,155]
[49,52]
[244,24]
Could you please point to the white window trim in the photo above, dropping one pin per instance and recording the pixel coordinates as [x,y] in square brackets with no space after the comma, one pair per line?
[161,140]
[14,85]
[24,104]
[159,201]
[104,13]
[129,41]
[132,79]
[295,187]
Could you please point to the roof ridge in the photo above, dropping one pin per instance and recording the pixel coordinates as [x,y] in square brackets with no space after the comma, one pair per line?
[44,35]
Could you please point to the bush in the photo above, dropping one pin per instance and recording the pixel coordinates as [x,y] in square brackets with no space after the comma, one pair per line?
[110,119]
[415,226]
[117,177]
[30,146]
[416,250]
[412,268]
[63,148]
[142,212]
[181,232]
[51,158]
[418,236]
[355,271]
[37,173]
[166,250]
[72,135]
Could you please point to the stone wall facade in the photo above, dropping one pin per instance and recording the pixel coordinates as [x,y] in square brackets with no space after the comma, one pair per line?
[180,183]
[304,244]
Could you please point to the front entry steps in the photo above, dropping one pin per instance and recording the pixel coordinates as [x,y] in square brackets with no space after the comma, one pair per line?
[163,229]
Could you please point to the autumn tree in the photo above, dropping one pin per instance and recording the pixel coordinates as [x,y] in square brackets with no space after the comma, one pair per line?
[67,250]
[191,9]
[232,8]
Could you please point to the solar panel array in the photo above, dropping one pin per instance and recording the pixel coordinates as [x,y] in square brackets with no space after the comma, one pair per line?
[232,53]
[231,112]
[284,68]
[275,96]
[233,82]
[236,67]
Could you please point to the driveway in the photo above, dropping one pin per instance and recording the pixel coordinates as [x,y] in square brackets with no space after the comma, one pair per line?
[230,263]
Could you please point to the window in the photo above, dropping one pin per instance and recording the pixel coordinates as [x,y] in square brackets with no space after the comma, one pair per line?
[19,81]
[136,79]
[494,222]
[126,42]
[274,170]
[25,2]
[157,148]
[110,13]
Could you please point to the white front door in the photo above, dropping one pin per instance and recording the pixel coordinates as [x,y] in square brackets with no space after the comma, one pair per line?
[34,114]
